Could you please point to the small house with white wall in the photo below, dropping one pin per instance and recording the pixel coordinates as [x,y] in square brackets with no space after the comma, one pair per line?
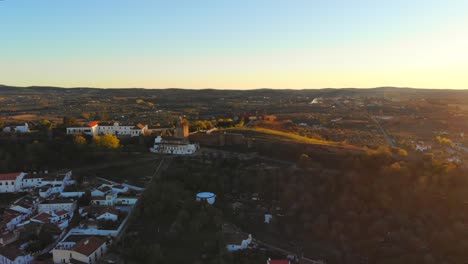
[88,250]
[11,182]
[56,205]
[235,242]
[13,255]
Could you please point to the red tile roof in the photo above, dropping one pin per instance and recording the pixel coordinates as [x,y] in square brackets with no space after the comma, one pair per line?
[92,124]
[88,245]
[61,212]
[11,253]
[98,198]
[9,176]
[279,262]
[43,217]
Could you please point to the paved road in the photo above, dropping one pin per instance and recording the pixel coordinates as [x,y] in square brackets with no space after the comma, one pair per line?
[390,141]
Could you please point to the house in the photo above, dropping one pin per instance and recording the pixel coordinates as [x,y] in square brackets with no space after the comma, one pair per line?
[235,242]
[126,198]
[11,218]
[26,205]
[13,255]
[19,129]
[11,182]
[31,180]
[108,214]
[8,238]
[52,217]
[421,146]
[119,188]
[42,218]
[101,190]
[101,213]
[87,250]
[58,204]
[108,199]
[56,181]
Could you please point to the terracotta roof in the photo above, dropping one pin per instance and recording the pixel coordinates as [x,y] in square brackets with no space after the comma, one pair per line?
[100,210]
[118,186]
[105,189]
[98,198]
[11,253]
[9,176]
[88,245]
[279,262]
[61,212]
[43,217]
[110,210]
[94,123]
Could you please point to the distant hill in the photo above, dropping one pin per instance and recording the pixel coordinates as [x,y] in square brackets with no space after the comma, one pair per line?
[394,92]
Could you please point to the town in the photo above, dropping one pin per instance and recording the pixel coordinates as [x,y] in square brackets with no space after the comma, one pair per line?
[52,213]
[260,176]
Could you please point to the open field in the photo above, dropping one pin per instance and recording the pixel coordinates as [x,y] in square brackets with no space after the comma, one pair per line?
[271,134]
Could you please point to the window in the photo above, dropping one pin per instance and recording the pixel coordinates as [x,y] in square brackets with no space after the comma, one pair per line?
[6,183]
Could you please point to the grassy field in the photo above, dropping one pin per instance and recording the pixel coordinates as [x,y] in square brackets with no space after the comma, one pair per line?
[265,133]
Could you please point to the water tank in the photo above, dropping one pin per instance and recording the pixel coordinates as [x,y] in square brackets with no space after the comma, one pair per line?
[206,196]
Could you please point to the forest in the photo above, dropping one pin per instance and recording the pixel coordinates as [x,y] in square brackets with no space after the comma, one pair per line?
[379,207]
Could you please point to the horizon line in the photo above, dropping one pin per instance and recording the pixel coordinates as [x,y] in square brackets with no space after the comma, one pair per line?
[221,89]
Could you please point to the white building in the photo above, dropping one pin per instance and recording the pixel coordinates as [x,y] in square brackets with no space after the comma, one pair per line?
[87,250]
[13,255]
[420,146]
[11,182]
[56,205]
[96,128]
[108,215]
[108,199]
[173,146]
[179,144]
[236,243]
[125,199]
[19,129]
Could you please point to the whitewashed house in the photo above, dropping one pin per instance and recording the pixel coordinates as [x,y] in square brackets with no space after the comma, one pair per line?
[111,215]
[56,205]
[236,242]
[13,255]
[11,182]
[108,200]
[87,250]
[18,129]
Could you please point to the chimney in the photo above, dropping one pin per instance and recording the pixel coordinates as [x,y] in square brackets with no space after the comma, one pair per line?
[86,242]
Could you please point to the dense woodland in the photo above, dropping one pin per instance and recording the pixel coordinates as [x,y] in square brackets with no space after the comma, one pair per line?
[371,208]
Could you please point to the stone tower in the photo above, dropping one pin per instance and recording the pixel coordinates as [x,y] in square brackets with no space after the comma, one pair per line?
[182,128]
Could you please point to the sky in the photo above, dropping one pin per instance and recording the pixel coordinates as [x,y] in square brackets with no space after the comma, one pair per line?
[240,44]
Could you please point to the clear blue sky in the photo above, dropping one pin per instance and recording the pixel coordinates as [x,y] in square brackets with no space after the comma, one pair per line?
[234,44]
